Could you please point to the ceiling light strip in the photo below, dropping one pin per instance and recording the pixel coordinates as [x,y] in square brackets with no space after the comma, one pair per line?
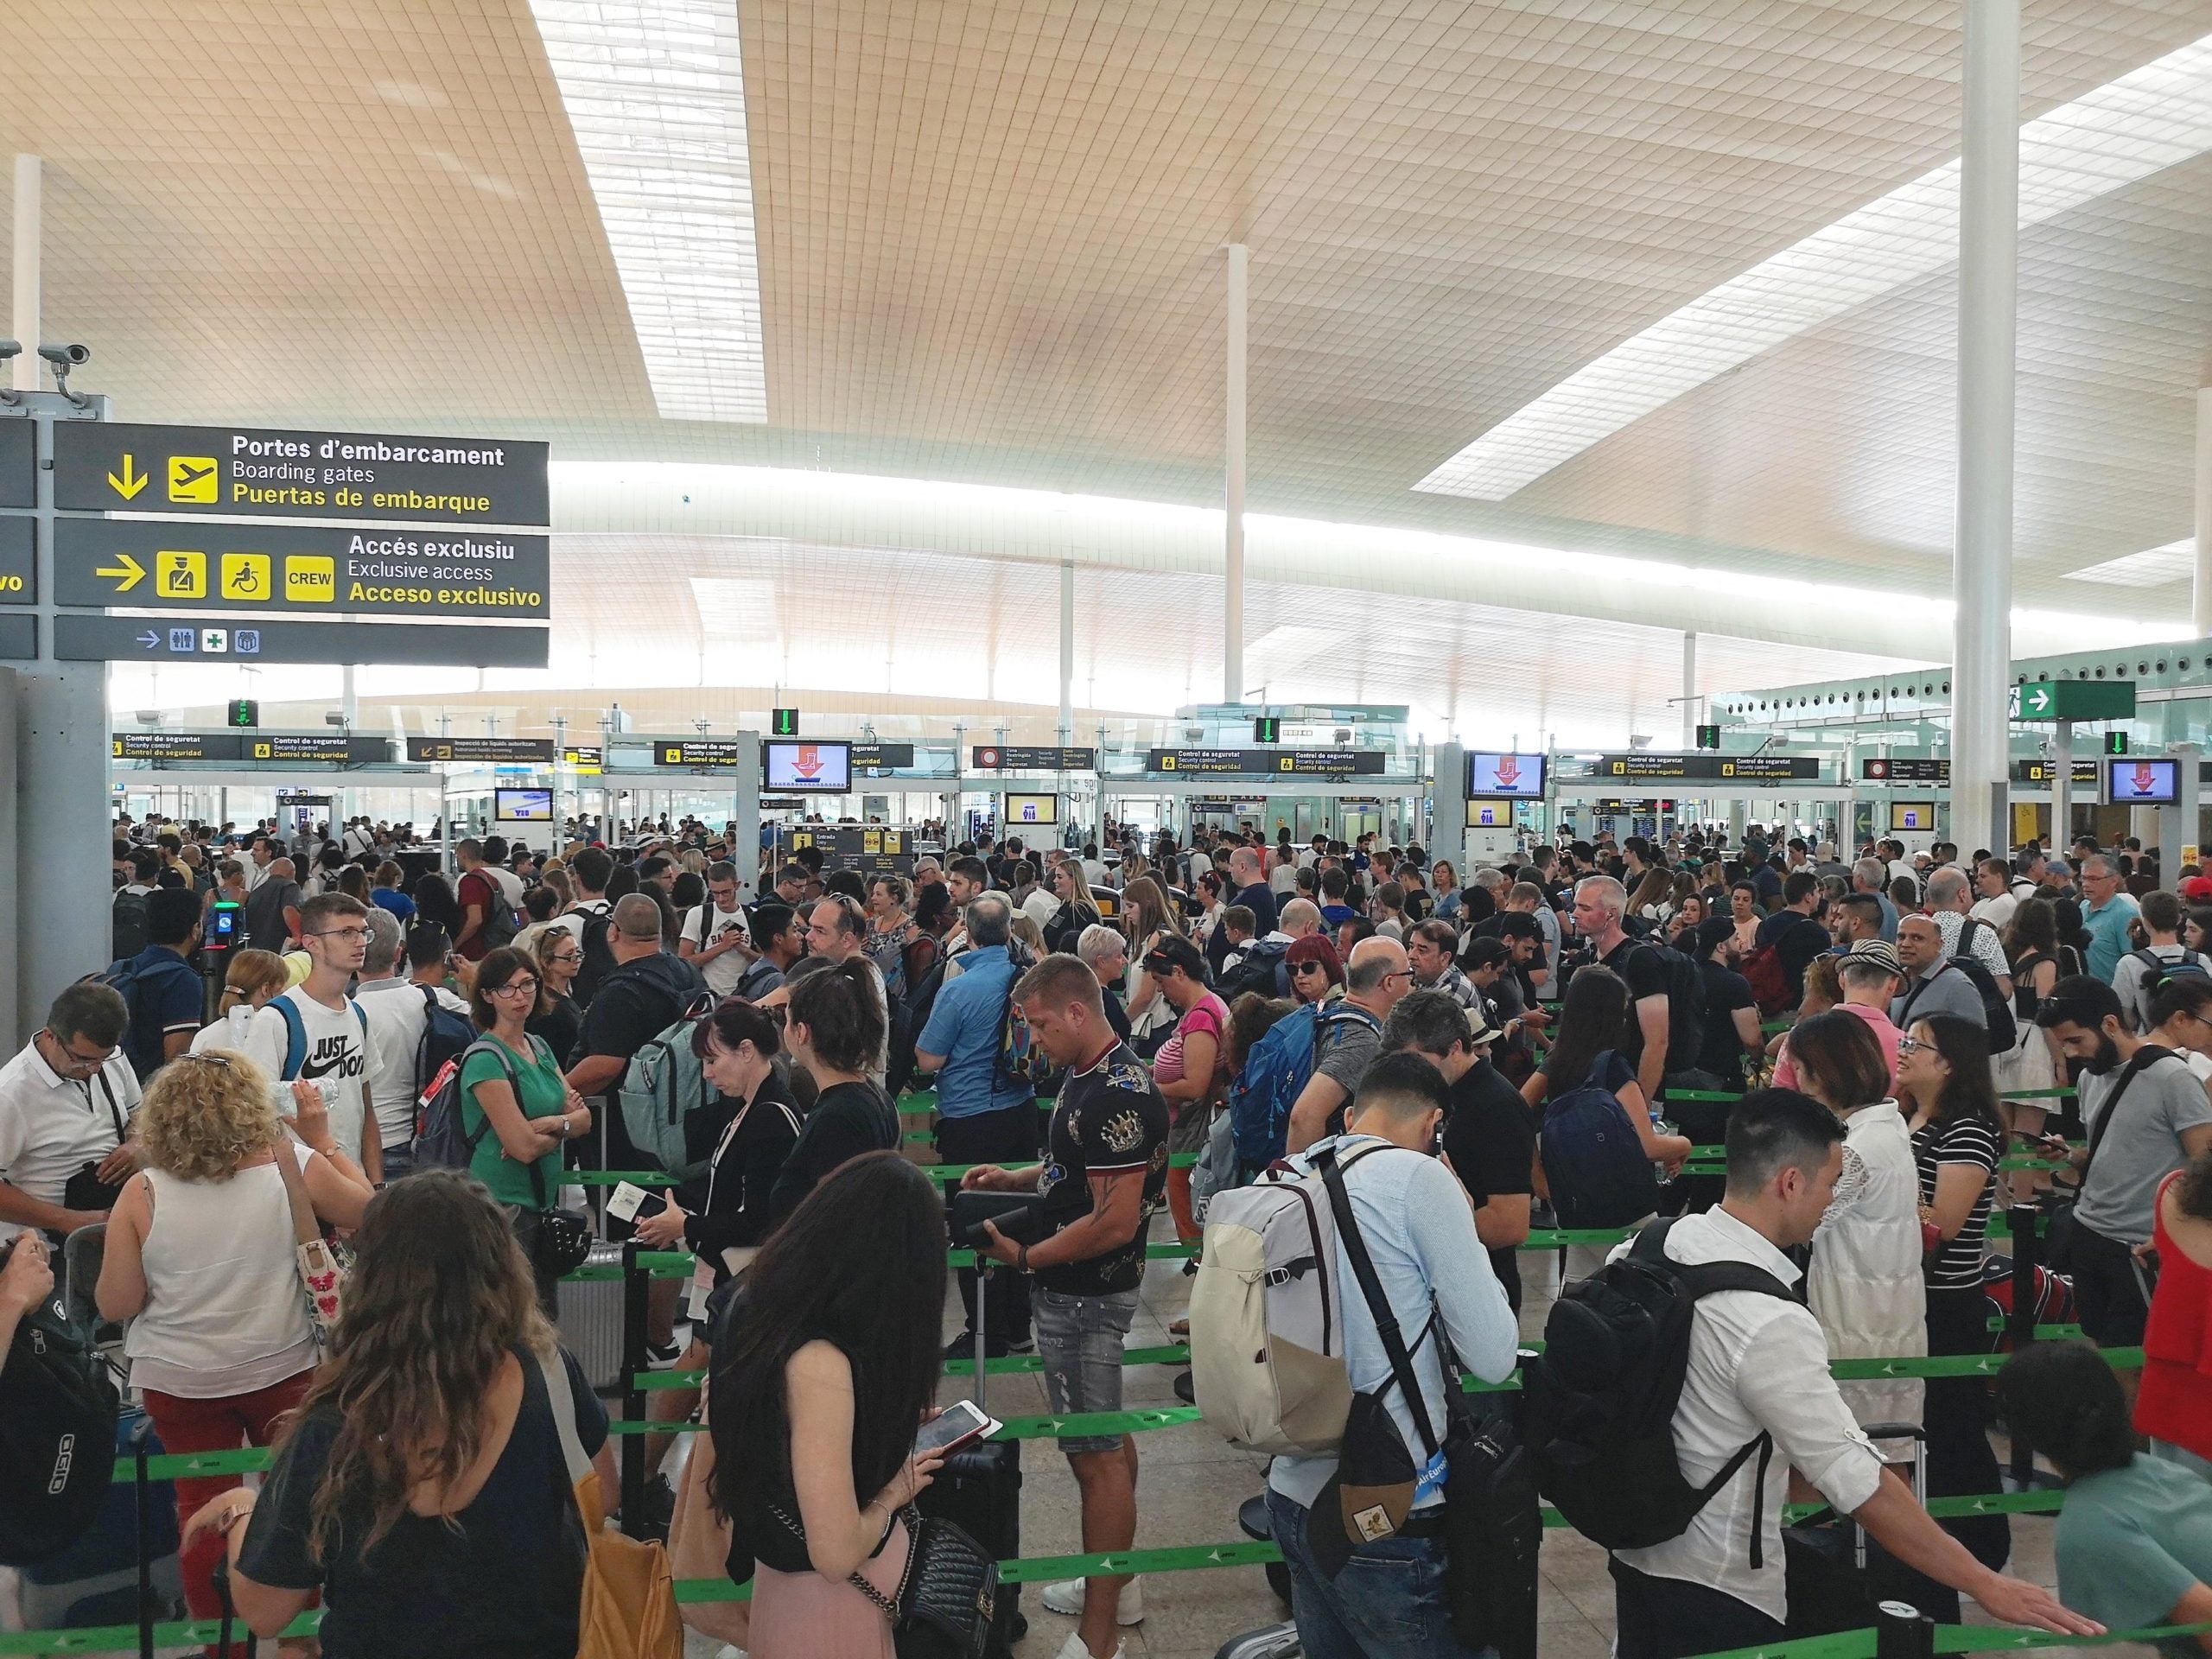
[656,95]
[2149,119]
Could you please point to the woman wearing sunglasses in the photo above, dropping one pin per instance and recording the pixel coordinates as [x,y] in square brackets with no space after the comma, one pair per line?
[1316,972]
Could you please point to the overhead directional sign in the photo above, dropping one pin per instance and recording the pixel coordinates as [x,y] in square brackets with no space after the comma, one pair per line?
[2074,700]
[18,565]
[18,636]
[18,463]
[584,758]
[1337,763]
[881,757]
[463,573]
[698,752]
[335,748]
[2042,772]
[1733,768]
[484,751]
[261,472]
[188,638]
[1905,769]
[1024,758]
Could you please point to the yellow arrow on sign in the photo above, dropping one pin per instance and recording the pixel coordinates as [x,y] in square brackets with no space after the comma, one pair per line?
[132,481]
[126,570]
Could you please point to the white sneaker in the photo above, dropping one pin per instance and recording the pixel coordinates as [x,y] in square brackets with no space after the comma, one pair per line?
[1066,1597]
[1073,1648]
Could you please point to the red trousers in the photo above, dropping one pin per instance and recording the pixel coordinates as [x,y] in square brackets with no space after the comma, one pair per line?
[222,1425]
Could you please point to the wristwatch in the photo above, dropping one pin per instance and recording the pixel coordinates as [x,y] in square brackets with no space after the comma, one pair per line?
[1021,1259]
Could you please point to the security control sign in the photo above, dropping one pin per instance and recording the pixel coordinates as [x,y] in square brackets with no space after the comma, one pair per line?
[1731,768]
[335,748]
[869,758]
[1337,763]
[18,567]
[993,758]
[197,639]
[262,471]
[1907,769]
[483,751]
[398,572]
[2042,772]
[697,752]
[173,746]
[18,463]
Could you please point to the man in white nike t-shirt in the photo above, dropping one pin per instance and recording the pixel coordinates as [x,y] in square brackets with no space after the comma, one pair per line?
[331,1037]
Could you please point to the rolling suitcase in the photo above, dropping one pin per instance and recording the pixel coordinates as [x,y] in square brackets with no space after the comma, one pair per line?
[979,1491]
[1837,1574]
[590,1320]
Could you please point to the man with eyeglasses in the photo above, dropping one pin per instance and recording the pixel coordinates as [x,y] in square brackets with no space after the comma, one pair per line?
[2106,910]
[1348,1036]
[66,1102]
[314,1039]
[714,936]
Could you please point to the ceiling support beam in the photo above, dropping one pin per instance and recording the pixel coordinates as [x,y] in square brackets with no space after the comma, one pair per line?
[1981,571]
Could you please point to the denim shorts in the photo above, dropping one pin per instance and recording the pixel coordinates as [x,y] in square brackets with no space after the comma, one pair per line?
[1079,1339]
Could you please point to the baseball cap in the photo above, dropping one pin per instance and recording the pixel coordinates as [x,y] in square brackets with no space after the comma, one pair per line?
[1880,952]
[2197,889]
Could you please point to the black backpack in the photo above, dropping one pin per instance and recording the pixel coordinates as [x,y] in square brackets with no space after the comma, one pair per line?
[142,1038]
[127,926]
[1255,971]
[57,1436]
[1996,1006]
[1599,1402]
[2159,973]
[593,940]
[446,1036]
[1685,1006]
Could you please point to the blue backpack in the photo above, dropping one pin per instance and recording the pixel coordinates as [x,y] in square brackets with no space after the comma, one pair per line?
[1260,1099]
[143,1037]
[1593,1162]
[442,1137]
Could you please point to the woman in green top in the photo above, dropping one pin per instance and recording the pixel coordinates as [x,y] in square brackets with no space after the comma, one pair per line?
[521,1095]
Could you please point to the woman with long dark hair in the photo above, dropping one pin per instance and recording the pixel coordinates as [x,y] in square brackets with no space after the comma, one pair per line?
[1957,1138]
[2034,1062]
[825,1368]
[833,1025]
[418,1487]
[433,902]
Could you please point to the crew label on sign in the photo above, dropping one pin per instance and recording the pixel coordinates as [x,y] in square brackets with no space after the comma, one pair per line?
[473,574]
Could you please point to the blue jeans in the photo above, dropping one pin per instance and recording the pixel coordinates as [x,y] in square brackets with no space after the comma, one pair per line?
[1388,1602]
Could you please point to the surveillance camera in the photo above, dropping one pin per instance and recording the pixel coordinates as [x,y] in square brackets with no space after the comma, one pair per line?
[334,718]
[67,357]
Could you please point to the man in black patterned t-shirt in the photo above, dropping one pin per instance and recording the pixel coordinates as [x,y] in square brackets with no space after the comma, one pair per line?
[1105,1172]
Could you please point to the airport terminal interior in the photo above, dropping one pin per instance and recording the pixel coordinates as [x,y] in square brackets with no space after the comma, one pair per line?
[758,641]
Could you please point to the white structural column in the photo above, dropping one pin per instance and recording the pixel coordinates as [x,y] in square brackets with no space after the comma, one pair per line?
[25,310]
[1232,493]
[1690,706]
[1981,576]
[2201,595]
[1067,652]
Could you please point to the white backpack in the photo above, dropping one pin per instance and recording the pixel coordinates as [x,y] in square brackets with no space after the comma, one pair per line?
[1267,1316]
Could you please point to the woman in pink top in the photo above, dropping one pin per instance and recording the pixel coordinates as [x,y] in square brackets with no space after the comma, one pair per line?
[1186,1066]
[1868,973]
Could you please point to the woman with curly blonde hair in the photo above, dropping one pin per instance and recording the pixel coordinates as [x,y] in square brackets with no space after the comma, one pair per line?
[200,1259]
[421,1487]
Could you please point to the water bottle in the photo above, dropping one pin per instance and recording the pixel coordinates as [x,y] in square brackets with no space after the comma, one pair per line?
[1661,1126]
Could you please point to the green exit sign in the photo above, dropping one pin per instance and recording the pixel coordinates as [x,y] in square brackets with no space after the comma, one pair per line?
[2075,700]
[1708,737]
[244,711]
[783,723]
[1266,730]
[2115,742]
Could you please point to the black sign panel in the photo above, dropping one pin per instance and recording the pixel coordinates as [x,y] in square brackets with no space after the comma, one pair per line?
[18,463]
[484,751]
[302,797]
[336,746]
[258,472]
[18,567]
[1337,763]
[175,746]
[1728,768]
[18,636]
[881,757]
[1913,769]
[192,639]
[1020,758]
[2044,772]
[872,849]
[445,573]
[698,753]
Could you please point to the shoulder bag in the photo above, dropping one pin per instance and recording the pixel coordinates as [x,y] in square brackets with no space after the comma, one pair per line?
[553,1239]
[946,1598]
[322,1279]
[2062,1233]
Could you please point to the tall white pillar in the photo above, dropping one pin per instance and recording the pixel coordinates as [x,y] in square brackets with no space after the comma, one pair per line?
[25,312]
[1981,577]
[1067,652]
[1691,707]
[2201,594]
[1232,454]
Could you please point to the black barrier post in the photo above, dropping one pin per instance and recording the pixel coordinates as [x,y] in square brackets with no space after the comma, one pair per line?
[636,1287]
[1903,1632]
[142,1490]
[2020,1328]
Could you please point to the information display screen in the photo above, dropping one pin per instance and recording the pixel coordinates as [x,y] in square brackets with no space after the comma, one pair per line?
[523,806]
[1521,776]
[1032,809]
[825,768]
[1912,815]
[1490,815]
[2144,783]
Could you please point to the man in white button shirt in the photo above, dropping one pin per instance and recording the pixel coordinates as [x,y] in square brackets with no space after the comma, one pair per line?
[1758,1365]
[65,1107]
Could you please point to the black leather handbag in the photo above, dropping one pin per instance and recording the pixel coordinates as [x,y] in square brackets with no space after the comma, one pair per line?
[947,1597]
[556,1240]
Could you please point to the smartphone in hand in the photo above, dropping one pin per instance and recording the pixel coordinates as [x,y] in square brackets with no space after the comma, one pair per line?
[957,1425]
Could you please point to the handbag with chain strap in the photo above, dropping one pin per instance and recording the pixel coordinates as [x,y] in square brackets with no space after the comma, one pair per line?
[945,1598]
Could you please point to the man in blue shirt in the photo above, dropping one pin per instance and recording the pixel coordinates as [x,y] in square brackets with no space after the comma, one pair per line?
[982,1118]
[1253,890]
[164,995]
[2108,910]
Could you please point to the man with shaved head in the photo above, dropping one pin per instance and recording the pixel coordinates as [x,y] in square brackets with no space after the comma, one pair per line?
[1348,1036]
[646,993]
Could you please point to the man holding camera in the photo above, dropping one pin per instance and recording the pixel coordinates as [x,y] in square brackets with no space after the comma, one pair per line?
[1105,1173]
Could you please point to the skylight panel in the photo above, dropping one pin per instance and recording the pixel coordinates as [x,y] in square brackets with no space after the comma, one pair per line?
[2149,569]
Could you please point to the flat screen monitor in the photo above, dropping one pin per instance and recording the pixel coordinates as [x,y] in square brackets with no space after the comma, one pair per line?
[1912,816]
[523,806]
[1490,815]
[1521,776]
[1032,808]
[825,768]
[2134,782]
